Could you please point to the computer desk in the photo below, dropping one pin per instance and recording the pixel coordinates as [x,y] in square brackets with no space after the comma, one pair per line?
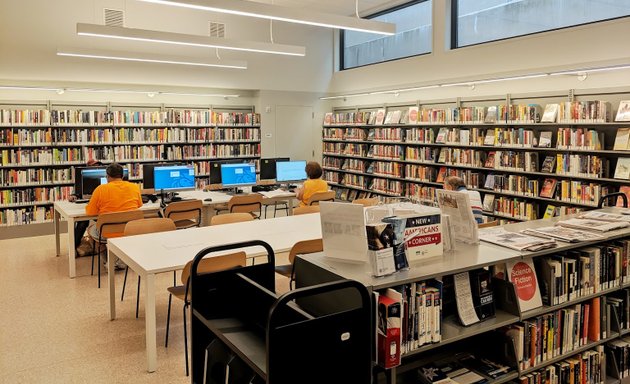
[73,212]
[155,253]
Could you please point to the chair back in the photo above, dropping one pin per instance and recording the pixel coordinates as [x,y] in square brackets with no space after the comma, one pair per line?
[619,195]
[185,214]
[305,247]
[245,203]
[231,218]
[142,226]
[321,196]
[110,225]
[215,264]
[366,202]
[488,224]
[306,209]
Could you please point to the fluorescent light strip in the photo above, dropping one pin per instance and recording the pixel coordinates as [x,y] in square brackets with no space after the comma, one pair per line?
[95,30]
[27,88]
[587,70]
[197,94]
[280,13]
[468,83]
[149,59]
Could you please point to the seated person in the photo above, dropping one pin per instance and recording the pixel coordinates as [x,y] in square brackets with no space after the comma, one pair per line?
[454,183]
[313,185]
[117,195]
[81,226]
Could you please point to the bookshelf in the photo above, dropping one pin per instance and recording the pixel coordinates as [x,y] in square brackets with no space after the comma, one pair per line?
[499,147]
[488,337]
[40,144]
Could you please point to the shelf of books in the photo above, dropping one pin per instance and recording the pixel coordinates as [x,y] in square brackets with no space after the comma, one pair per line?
[526,161]
[489,313]
[39,147]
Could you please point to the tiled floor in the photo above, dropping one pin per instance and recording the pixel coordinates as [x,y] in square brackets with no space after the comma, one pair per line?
[54,329]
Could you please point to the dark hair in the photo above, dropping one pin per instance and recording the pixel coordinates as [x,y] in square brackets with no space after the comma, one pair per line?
[115,171]
[313,170]
[455,182]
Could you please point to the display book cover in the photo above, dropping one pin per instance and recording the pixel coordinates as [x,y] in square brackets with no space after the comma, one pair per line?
[482,295]
[388,331]
[380,241]
[417,236]
[522,274]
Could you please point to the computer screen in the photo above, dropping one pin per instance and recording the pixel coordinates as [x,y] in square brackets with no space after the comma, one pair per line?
[234,175]
[268,167]
[173,177]
[215,172]
[92,177]
[291,170]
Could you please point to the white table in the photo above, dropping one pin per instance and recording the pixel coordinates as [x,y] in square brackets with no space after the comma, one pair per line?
[73,212]
[170,251]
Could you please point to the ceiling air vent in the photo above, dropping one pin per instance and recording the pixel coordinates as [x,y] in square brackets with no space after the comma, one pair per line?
[216,29]
[114,17]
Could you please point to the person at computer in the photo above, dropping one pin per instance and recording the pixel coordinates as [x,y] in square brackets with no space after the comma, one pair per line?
[313,184]
[81,226]
[117,195]
[454,183]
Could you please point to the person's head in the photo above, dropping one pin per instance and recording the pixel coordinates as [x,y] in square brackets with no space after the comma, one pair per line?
[453,183]
[313,170]
[114,171]
[93,163]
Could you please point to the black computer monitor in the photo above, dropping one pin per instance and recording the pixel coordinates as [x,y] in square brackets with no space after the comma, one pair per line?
[287,171]
[90,178]
[238,174]
[173,177]
[268,167]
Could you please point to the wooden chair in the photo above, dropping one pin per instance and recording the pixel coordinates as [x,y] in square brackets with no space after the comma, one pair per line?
[306,209]
[207,265]
[277,205]
[108,226]
[231,218]
[185,214]
[300,248]
[488,224]
[366,202]
[321,196]
[246,204]
[140,227]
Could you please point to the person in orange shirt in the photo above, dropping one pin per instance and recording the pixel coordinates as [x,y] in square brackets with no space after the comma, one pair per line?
[313,185]
[116,195]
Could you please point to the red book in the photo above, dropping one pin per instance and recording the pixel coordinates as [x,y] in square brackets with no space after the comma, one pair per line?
[594,324]
[389,313]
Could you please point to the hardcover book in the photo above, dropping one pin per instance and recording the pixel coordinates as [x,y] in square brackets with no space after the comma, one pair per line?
[549,164]
[489,139]
[490,181]
[623,113]
[548,188]
[488,202]
[622,170]
[550,114]
[380,117]
[481,289]
[328,118]
[545,139]
[621,139]
[491,115]
[413,115]
[441,136]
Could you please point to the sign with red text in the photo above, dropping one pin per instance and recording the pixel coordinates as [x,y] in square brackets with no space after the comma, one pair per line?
[523,276]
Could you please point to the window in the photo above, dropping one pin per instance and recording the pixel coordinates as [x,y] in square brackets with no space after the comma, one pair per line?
[413,37]
[480,21]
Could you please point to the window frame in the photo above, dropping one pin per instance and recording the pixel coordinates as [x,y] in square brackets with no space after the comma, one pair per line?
[455,33]
[342,35]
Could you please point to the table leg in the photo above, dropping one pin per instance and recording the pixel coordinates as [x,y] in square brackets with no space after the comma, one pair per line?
[149,314]
[206,212]
[111,280]
[72,255]
[292,201]
[57,219]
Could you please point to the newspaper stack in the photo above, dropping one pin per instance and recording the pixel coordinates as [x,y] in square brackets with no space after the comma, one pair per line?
[515,240]
[566,234]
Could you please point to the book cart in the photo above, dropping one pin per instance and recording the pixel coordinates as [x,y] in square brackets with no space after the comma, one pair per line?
[42,142]
[500,156]
[242,332]
[486,338]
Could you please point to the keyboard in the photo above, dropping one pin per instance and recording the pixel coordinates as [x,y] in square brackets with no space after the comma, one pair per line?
[81,201]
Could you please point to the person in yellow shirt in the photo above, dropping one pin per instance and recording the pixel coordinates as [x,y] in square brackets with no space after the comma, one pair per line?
[313,185]
[117,195]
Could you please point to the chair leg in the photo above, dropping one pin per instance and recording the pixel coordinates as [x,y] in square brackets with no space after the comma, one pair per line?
[275,209]
[98,263]
[168,319]
[185,340]
[122,294]
[138,297]
[93,255]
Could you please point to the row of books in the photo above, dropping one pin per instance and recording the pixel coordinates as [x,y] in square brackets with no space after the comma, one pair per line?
[390,187]
[16,177]
[33,195]
[22,216]
[588,367]
[346,194]
[95,117]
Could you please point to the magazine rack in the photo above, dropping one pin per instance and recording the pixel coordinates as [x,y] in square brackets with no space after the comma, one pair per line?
[262,337]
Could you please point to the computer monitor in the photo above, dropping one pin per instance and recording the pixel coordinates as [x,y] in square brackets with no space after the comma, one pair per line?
[215,169]
[170,178]
[92,177]
[147,175]
[238,174]
[268,167]
[290,171]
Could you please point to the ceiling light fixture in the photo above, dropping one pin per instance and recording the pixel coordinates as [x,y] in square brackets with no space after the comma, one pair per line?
[61,91]
[281,13]
[96,30]
[28,88]
[149,58]
[588,70]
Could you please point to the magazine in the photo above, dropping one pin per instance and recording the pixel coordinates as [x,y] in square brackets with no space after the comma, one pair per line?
[515,240]
[457,206]
[592,225]
[569,235]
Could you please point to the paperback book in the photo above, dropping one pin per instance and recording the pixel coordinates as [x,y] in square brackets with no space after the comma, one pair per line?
[549,164]
[522,274]
[622,170]
[623,113]
[491,115]
[550,114]
[544,141]
[380,117]
[621,139]
[548,188]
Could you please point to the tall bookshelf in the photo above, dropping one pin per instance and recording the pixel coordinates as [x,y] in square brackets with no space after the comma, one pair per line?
[401,159]
[40,144]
